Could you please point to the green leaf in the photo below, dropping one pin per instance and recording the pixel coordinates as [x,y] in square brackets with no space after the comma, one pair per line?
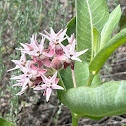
[81,72]
[122,23]
[107,99]
[71,27]
[67,77]
[110,25]
[106,51]
[4,122]
[97,39]
[90,13]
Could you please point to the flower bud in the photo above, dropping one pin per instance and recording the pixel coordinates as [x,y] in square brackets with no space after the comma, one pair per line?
[56,63]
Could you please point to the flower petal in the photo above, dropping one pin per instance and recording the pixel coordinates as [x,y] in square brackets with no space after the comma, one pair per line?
[55,86]
[48,93]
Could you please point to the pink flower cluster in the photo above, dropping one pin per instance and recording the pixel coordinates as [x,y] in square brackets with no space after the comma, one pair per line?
[54,58]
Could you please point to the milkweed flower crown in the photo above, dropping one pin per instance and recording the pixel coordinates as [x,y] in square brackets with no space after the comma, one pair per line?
[36,71]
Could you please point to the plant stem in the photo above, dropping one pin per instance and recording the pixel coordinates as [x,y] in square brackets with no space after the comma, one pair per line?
[91,76]
[74,120]
[73,76]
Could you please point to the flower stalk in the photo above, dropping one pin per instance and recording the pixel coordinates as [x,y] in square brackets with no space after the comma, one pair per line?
[90,79]
[74,119]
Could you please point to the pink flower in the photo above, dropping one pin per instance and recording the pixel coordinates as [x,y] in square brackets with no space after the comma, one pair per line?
[55,38]
[22,62]
[29,78]
[71,54]
[49,84]
[37,51]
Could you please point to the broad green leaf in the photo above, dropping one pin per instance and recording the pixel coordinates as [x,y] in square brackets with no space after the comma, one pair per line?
[110,25]
[4,122]
[71,27]
[90,13]
[97,39]
[107,99]
[107,50]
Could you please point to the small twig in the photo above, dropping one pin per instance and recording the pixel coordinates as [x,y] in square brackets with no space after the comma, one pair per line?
[51,119]
[113,74]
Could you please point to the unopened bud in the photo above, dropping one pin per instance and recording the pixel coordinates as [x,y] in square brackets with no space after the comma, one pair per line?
[56,63]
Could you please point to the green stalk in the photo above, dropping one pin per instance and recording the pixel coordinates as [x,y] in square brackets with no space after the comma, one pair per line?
[74,119]
[91,76]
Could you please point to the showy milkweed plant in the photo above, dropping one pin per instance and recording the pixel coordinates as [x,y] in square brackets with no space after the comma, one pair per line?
[72,60]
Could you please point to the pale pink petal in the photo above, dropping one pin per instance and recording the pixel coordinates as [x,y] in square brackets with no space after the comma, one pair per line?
[52,32]
[23,57]
[25,46]
[18,84]
[17,62]
[46,36]
[40,88]
[42,71]
[51,52]
[17,67]
[46,62]
[64,48]
[54,86]
[75,58]
[54,77]
[48,93]
[71,39]
[47,33]
[59,32]
[81,52]
[41,46]
[18,77]
[22,91]
[72,49]
[44,78]
[29,47]
[63,33]
[33,67]
[25,84]
[56,80]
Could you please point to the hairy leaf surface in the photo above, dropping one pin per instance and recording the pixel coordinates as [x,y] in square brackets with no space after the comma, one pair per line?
[105,100]
[110,25]
[90,13]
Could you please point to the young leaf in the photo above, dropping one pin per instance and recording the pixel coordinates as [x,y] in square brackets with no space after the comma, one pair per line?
[71,27]
[90,13]
[107,99]
[107,50]
[4,122]
[110,25]
[97,38]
